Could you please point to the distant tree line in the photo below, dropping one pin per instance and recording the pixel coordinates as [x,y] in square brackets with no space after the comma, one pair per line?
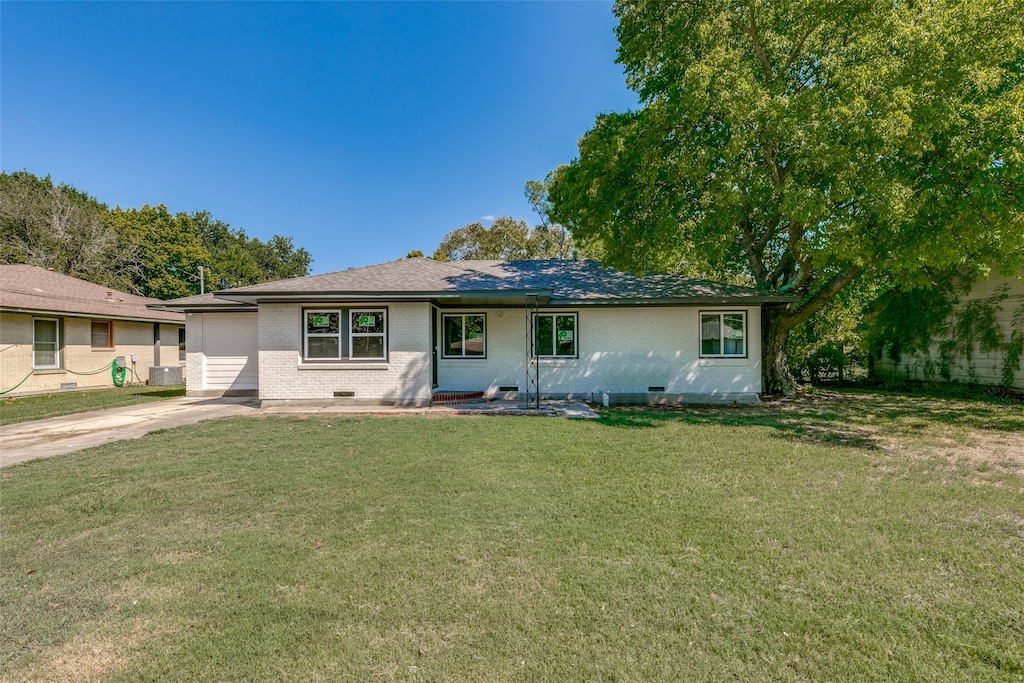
[147,251]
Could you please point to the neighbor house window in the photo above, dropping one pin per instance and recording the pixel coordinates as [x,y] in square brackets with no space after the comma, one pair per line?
[102,334]
[45,343]
[555,335]
[181,344]
[337,334]
[723,334]
[464,336]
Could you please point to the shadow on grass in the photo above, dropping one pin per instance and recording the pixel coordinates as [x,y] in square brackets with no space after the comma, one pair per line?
[840,418]
[164,393]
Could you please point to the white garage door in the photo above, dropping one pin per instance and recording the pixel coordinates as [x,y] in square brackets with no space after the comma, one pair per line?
[231,351]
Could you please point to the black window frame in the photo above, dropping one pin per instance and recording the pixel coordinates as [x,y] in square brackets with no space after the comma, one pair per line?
[554,329]
[444,336]
[721,326]
[345,334]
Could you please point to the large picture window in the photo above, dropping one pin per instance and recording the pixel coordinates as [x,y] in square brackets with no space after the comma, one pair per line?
[45,343]
[555,335]
[465,336]
[339,334]
[723,334]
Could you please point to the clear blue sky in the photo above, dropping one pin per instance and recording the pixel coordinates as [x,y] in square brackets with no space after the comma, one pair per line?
[361,130]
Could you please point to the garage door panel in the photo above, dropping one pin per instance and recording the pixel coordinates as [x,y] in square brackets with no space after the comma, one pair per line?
[231,352]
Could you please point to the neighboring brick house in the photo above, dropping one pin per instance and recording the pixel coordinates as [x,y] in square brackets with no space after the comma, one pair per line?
[408,331]
[59,332]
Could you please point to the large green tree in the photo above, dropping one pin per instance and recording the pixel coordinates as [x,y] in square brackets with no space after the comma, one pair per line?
[809,145]
[167,251]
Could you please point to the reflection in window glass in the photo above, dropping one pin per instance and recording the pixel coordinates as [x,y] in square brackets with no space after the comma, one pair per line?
[723,334]
[555,335]
[45,343]
[464,336]
[367,335]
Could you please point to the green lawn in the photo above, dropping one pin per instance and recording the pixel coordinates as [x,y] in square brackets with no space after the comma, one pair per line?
[839,538]
[14,409]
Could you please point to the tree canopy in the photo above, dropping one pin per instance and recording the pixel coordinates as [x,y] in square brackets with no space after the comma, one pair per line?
[148,251]
[808,145]
[506,239]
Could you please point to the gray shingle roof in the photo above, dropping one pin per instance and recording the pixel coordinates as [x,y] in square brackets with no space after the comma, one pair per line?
[33,289]
[563,281]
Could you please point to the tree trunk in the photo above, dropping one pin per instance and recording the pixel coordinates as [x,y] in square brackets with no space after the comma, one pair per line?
[776,324]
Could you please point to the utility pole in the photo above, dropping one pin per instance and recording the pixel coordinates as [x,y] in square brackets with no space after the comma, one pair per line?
[202,283]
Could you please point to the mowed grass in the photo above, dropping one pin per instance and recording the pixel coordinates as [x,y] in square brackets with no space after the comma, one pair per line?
[25,408]
[645,546]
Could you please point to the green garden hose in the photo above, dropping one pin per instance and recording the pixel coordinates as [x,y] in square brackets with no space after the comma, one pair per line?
[118,374]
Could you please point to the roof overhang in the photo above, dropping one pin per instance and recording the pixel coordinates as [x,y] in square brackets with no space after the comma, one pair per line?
[482,298]
[93,316]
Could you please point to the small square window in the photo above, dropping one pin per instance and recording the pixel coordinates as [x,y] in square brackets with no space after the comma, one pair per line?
[102,334]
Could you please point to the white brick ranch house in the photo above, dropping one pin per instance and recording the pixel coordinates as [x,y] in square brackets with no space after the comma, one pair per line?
[408,332]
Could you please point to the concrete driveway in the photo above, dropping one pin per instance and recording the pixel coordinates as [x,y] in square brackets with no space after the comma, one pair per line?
[59,435]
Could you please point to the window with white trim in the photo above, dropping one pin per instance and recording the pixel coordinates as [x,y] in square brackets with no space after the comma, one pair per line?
[723,334]
[45,343]
[181,345]
[555,335]
[102,334]
[368,334]
[342,334]
[465,336]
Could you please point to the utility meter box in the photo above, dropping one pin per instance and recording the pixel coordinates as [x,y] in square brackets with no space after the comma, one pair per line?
[163,375]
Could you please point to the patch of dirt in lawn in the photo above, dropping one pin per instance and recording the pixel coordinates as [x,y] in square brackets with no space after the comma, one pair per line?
[1002,451]
[91,656]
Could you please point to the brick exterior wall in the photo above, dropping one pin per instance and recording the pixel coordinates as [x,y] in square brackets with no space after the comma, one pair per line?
[403,378]
[77,353]
[622,350]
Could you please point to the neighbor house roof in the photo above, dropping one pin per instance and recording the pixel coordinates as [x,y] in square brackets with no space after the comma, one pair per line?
[554,281]
[30,289]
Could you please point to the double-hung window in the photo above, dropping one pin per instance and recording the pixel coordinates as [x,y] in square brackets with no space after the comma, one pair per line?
[45,343]
[723,334]
[181,344]
[555,335]
[369,338]
[465,336]
[342,334]
[102,334]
